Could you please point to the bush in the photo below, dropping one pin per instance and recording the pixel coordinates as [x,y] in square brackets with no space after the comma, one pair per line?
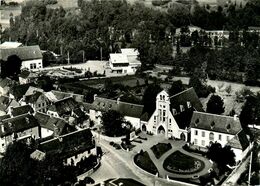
[160,149]
[144,161]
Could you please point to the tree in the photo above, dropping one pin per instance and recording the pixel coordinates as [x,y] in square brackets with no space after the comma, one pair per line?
[200,88]
[149,98]
[176,87]
[215,105]
[216,153]
[11,67]
[112,122]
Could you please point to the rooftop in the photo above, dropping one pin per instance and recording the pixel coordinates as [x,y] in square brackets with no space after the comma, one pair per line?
[216,123]
[9,44]
[16,111]
[24,53]
[118,58]
[64,106]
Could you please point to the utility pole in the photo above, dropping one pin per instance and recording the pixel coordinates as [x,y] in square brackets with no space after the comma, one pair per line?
[83,56]
[101,53]
[68,57]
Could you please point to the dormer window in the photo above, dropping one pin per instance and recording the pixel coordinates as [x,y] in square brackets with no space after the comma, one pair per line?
[188,104]
[174,111]
[228,127]
[212,125]
[181,108]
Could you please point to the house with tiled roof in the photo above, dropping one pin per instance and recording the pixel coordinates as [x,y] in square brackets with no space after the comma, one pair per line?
[131,112]
[31,90]
[20,110]
[5,85]
[71,148]
[18,91]
[208,128]
[65,108]
[172,114]
[31,56]
[6,103]
[52,126]
[38,101]
[23,127]
[27,76]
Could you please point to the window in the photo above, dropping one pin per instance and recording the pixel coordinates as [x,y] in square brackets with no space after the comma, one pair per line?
[196,132]
[211,136]
[219,137]
[203,142]
[203,133]
[170,120]
[195,141]
[43,104]
[163,106]
[39,105]
[227,138]
[33,66]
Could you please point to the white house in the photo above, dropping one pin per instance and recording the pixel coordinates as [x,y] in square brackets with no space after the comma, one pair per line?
[132,55]
[23,127]
[10,44]
[131,112]
[172,114]
[208,128]
[31,56]
[120,64]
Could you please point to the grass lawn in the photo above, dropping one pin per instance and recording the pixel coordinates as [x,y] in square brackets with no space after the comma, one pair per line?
[144,161]
[160,149]
[181,163]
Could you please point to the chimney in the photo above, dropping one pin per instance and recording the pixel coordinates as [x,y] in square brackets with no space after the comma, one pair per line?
[11,110]
[95,96]
[118,100]
[235,117]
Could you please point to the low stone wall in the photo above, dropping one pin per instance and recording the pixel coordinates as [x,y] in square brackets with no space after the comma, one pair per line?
[107,138]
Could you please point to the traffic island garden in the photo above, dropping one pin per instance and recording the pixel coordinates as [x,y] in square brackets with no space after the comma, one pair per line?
[180,163]
[160,148]
[143,160]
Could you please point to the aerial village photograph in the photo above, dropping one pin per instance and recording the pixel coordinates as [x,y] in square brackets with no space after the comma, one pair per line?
[129,92]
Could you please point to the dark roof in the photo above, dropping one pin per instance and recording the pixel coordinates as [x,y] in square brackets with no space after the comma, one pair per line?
[183,118]
[25,74]
[17,124]
[57,125]
[240,141]
[64,106]
[79,113]
[5,82]
[216,123]
[16,111]
[19,90]
[126,109]
[33,97]
[4,103]
[145,117]
[183,98]
[68,145]
[24,53]
[4,117]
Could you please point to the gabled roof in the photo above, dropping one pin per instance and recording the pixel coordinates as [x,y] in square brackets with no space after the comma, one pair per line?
[4,103]
[16,111]
[64,106]
[68,145]
[6,116]
[184,97]
[8,44]
[32,98]
[57,125]
[126,109]
[118,58]
[17,124]
[25,74]
[24,53]
[130,51]
[216,123]
[19,90]
[31,90]
[240,141]
[5,82]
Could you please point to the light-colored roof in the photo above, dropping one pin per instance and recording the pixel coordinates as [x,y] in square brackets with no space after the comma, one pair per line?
[118,58]
[130,51]
[9,44]
[38,155]
[216,123]
[31,90]
[24,53]
[51,96]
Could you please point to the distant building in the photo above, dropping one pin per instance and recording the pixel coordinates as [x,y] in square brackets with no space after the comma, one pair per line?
[209,128]
[23,127]
[27,76]
[6,103]
[131,112]
[31,56]
[51,126]
[71,148]
[133,57]
[5,85]
[119,63]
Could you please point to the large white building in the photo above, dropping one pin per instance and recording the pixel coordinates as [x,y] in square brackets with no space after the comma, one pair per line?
[31,56]
[120,64]
[208,128]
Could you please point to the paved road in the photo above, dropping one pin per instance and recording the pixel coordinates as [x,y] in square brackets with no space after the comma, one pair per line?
[118,163]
